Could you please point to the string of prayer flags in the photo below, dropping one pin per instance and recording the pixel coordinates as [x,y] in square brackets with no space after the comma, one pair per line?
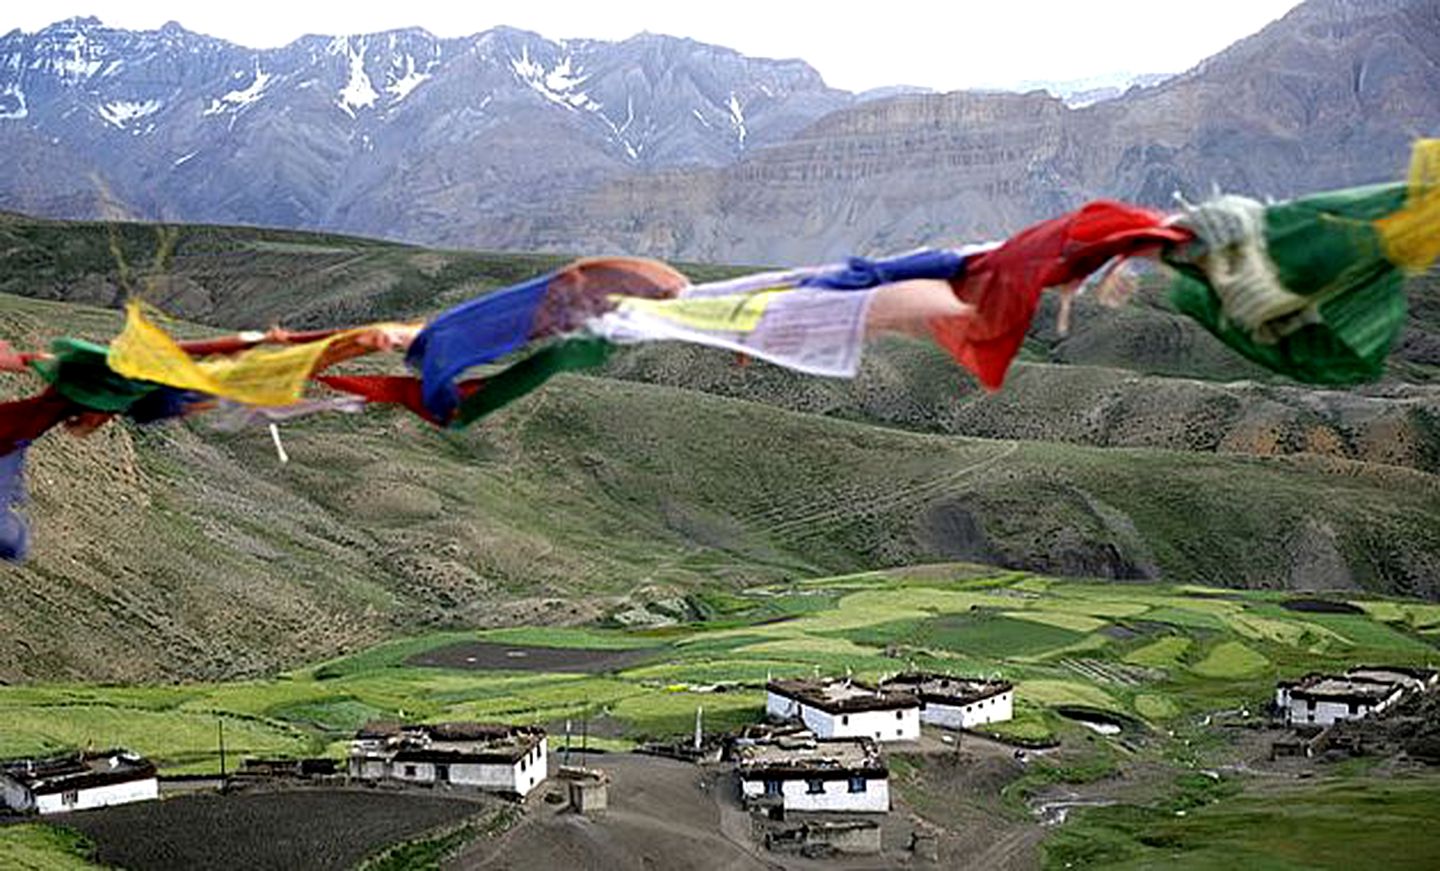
[1311,288]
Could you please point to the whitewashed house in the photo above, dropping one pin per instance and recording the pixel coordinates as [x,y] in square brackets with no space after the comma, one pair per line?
[845,709]
[845,776]
[957,702]
[77,782]
[494,758]
[1322,699]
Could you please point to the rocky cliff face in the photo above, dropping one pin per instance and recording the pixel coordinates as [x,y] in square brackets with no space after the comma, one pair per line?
[674,148]
[1331,95]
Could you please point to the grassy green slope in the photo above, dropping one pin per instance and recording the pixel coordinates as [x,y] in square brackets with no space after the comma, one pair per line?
[180,551]
[175,550]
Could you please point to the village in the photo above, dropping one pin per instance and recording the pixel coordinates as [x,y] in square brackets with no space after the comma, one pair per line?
[812,781]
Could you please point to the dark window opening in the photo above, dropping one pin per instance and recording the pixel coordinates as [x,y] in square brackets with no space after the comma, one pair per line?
[814,787]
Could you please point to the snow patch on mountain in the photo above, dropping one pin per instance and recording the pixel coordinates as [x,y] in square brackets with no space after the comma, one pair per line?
[618,130]
[12,103]
[122,112]
[562,78]
[556,85]
[737,118]
[401,87]
[527,69]
[240,98]
[358,91]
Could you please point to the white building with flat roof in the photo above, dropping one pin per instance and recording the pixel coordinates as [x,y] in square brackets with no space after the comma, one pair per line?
[845,709]
[805,774]
[1322,699]
[957,702]
[490,757]
[77,781]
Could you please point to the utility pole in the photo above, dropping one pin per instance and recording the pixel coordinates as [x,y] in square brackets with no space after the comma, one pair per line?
[220,728]
[699,726]
[567,742]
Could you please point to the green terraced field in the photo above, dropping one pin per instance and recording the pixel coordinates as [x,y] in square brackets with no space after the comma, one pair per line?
[962,619]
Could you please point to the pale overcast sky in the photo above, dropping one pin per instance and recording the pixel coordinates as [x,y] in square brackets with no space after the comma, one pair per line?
[945,46]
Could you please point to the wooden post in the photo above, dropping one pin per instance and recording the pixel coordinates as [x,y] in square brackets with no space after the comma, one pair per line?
[220,727]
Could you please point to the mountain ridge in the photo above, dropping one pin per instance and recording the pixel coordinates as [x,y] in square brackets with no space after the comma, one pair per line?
[672,147]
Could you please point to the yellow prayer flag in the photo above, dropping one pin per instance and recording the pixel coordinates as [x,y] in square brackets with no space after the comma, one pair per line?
[732,313]
[259,376]
[1411,236]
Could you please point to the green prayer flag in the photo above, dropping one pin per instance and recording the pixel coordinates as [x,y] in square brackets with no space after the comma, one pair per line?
[1325,251]
[520,379]
[78,372]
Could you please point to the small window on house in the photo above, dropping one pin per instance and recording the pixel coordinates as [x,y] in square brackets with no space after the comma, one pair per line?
[409,771]
[814,787]
[844,719]
[1354,708]
[899,715]
[522,764]
[70,798]
[857,784]
[772,787]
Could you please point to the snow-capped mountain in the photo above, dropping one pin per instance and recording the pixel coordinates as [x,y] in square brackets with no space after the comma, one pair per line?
[375,133]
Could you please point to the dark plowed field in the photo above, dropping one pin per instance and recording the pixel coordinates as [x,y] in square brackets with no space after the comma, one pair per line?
[311,829]
[1321,606]
[484,656]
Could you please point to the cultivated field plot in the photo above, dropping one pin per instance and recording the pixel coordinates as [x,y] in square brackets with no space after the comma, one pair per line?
[311,829]
[488,656]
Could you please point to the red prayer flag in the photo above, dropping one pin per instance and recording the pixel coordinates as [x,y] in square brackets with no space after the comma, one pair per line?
[1004,284]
